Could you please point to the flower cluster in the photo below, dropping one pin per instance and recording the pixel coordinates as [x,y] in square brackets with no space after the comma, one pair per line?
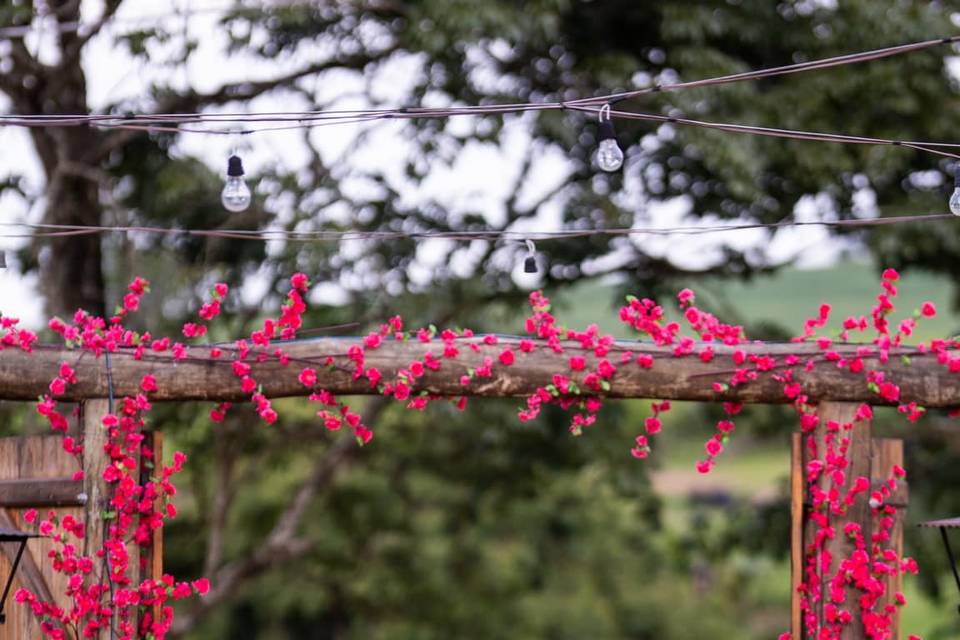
[101,590]
[589,365]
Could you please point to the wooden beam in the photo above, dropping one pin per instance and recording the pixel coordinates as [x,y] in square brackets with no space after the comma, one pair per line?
[25,376]
[42,492]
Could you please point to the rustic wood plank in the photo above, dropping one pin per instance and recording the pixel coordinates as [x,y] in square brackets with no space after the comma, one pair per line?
[42,492]
[156,552]
[886,453]
[28,573]
[38,458]
[859,455]
[94,463]
[796,533]
[25,376]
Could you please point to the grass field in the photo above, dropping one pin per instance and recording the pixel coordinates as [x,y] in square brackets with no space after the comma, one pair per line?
[786,298]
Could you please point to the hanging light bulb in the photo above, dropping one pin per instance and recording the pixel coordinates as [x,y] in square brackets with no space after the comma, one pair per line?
[236,194]
[530,262]
[955,198]
[609,156]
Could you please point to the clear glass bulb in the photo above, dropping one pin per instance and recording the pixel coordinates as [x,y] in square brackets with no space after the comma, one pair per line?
[955,202]
[609,156]
[236,194]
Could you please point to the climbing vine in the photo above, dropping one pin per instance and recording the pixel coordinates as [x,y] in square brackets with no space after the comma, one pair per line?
[102,594]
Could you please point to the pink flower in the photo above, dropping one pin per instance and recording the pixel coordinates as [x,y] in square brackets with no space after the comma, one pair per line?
[652,425]
[30,516]
[577,363]
[300,282]
[685,296]
[928,309]
[506,357]
[58,386]
[201,586]
[308,377]
[891,275]
[889,391]
[220,289]
[640,452]
[139,286]
[713,447]
[131,302]
[148,383]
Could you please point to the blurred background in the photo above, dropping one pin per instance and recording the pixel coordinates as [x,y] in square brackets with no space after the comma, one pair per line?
[474,525]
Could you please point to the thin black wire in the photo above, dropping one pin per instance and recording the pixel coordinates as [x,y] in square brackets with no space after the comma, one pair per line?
[172,122]
[793,134]
[46,230]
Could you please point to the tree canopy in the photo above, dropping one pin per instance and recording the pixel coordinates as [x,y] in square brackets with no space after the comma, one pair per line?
[453,526]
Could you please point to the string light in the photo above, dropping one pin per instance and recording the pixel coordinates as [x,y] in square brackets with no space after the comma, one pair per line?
[530,262]
[236,194]
[609,156]
[955,198]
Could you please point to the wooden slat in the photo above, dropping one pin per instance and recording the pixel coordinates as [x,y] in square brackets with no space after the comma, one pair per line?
[859,455]
[34,457]
[886,453]
[42,492]
[156,553]
[28,572]
[796,533]
[94,463]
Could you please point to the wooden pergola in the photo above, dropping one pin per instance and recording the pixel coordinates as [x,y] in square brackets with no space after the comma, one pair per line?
[837,391]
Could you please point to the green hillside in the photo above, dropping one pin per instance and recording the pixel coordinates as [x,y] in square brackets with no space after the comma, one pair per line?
[786,298]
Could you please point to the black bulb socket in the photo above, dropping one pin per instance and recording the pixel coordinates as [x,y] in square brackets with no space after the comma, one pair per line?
[234,167]
[3,260]
[956,176]
[530,265]
[606,130]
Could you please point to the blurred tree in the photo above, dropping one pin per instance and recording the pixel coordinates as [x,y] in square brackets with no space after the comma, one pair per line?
[262,498]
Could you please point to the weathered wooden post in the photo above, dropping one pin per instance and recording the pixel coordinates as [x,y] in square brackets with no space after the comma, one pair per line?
[868,457]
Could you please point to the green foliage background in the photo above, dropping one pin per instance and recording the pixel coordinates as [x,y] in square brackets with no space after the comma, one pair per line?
[471,525]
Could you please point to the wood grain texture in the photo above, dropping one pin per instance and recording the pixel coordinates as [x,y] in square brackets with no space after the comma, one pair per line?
[32,457]
[25,376]
[41,492]
[840,547]
[886,453]
[797,488]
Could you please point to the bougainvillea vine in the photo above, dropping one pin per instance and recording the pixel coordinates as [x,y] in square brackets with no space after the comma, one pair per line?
[102,594]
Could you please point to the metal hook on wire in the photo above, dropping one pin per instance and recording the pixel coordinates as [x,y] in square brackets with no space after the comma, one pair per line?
[604,114]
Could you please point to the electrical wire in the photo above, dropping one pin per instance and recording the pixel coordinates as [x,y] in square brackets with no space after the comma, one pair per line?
[793,134]
[45,230]
[267,121]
